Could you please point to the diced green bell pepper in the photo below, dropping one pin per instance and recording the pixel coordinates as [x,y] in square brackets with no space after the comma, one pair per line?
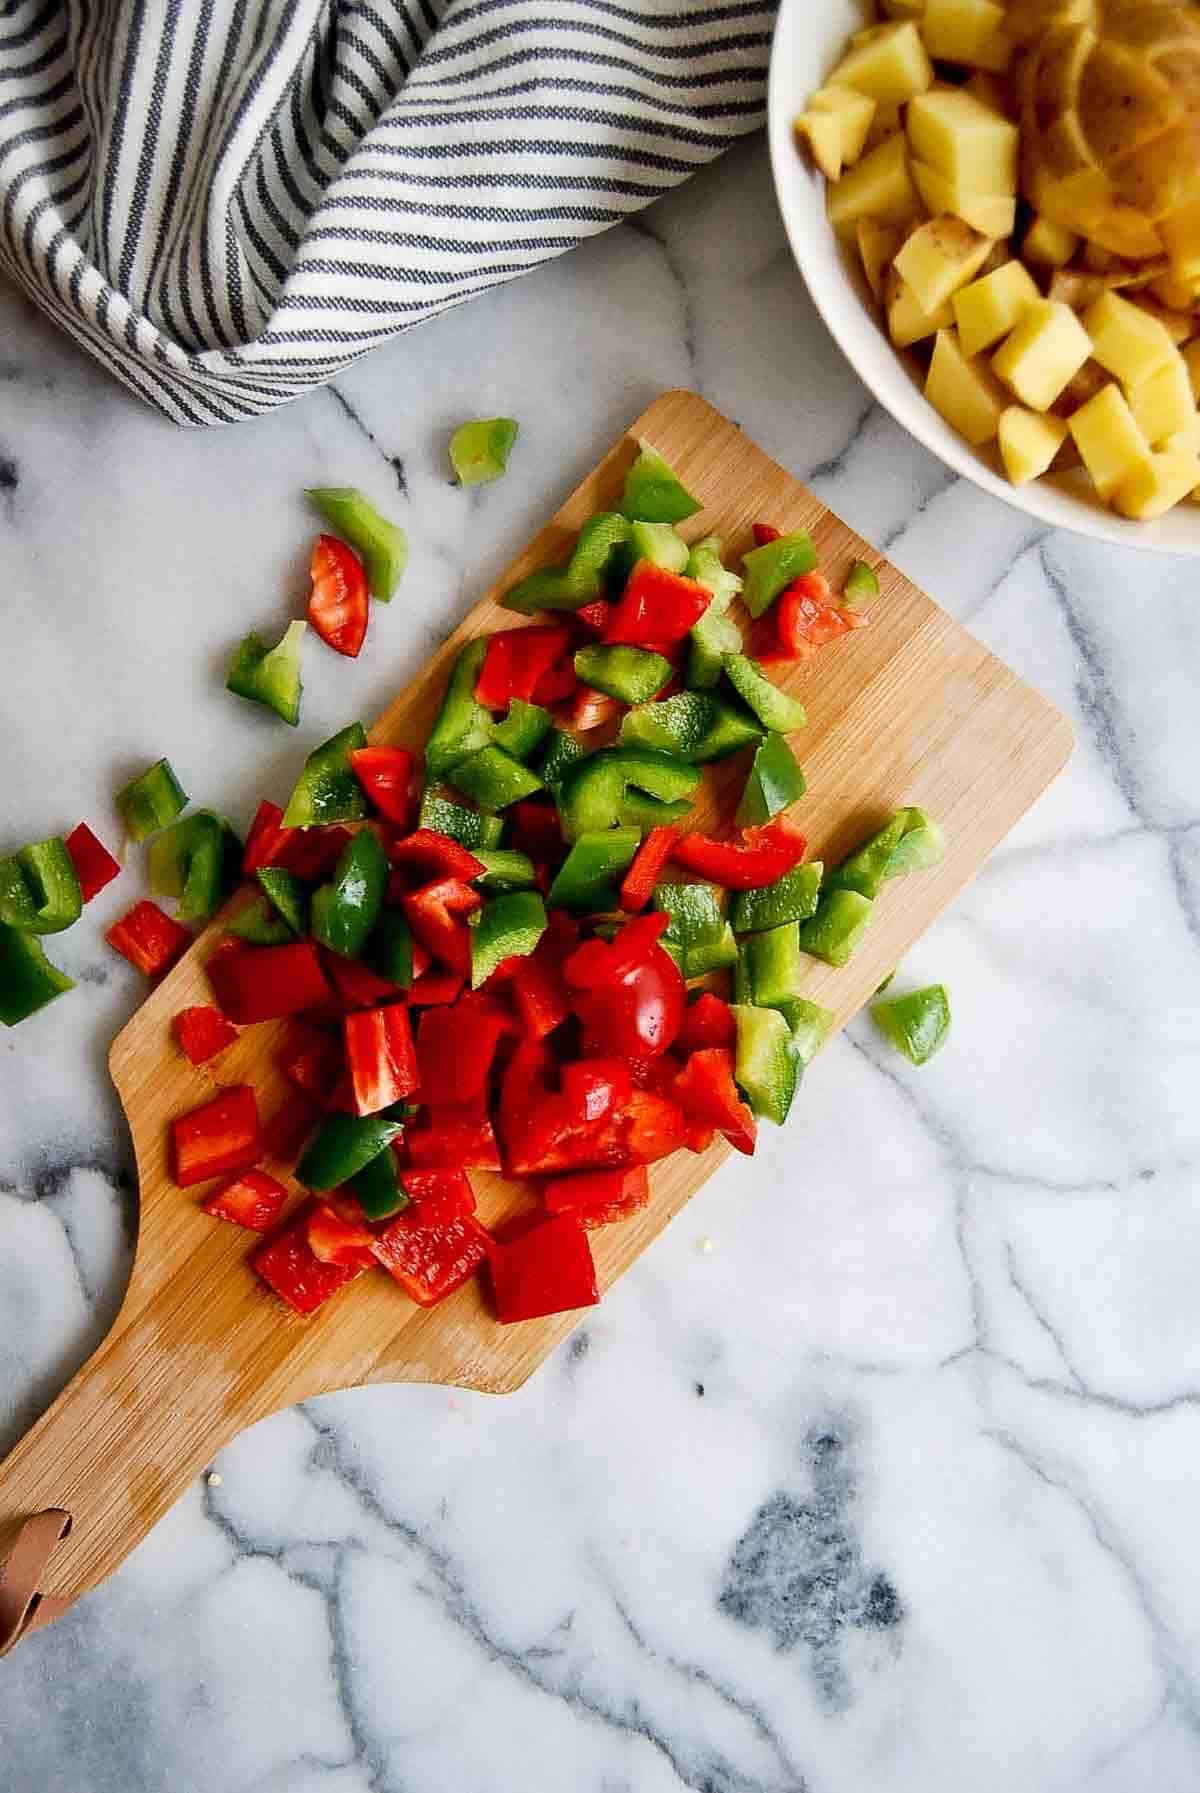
[345,910]
[504,870]
[545,589]
[773,782]
[712,955]
[791,898]
[288,895]
[562,752]
[378,1188]
[632,674]
[659,543]
[592,795]
[861,587]
[586,881]
[39,888]
[865,869]
[653,492]
[692,725]
[381,546]
[706,567]
[698,937]
[637,810]
[151,801]
[197,860]
[523,729]
[508,927]
[716,634]
[388,952]
[270,675]
[259,923]
[479,450]
[922,845]
[835,930]
[598,547]
[774,965]
[493,778]
[468,827]
[809,1025]
[462,726]
[776,711]
[342,1145]
[771,568]
[28,981]
[765,1062]
[917,1023]
[327,790]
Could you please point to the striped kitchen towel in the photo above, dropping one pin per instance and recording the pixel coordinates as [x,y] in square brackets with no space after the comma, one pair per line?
[226,201]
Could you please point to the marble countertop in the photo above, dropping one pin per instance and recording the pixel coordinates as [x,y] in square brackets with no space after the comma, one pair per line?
[894,1489]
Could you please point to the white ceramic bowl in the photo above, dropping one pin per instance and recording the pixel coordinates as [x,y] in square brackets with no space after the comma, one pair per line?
[809,37]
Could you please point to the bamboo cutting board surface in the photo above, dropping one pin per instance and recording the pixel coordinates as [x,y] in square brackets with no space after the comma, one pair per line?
[910,710]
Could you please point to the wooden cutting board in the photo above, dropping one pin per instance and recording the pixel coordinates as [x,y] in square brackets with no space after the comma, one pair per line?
[910,710]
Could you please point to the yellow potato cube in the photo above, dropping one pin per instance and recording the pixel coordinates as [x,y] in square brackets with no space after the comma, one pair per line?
[1125,339]
[1180,326]
[891,65]
[853,111]
[965,392]
[906,320]
[1109,441]
[1185,441]
[823,135]
[1048,245]
[886,123]
[1175,294]
[1191,360]
[1180,235]
[989,308]
[964,140]
[1156,486]
[879,187]
[967,31]
[994,214]
[877,246]
[1163,404]
[939,257]
[1029,441]
[1045,349]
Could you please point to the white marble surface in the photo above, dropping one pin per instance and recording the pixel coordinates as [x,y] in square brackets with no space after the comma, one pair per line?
[895,1489]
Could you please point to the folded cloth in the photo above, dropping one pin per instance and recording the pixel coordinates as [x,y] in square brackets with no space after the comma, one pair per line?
[226,201]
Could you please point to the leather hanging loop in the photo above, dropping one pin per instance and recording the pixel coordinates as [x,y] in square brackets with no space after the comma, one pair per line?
[23,1607]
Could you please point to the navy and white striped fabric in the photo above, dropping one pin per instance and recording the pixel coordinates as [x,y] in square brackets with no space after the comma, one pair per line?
[226,201]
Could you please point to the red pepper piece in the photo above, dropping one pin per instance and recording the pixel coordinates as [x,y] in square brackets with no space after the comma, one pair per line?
[547,1270]
[656,606]
[764,533]
[706,1022]
[539,994]
[150,940]
[289,1267]
[760,857]
[385,774]
[340,603]
[514,662]
[596,1197]
[638,884]
[437,914]
[595,964]
[357,986]
[708,1095]
[456,1047]
[265,839]
[312,853]
[654,1127]
[253,1200]
[496,985]
[219,1136]
[94,864]
[593,1087]
[438,1194]
[657,1074]
[596,616]
[698,1136]
[381,1057]
[427,855]
[336,1239]
[312,1062]
[289,1127]
[536,829]
[803,619]
[430,1258]
[263,983]
[454,1136]
[202,1032]
[592,709]
[629,994]
[557,683]
[433,988]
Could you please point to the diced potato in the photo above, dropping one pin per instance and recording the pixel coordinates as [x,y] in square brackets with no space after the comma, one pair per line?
[853,111]
[1076,288]
[823,135]
[1046,348]
[1099,259]
[964,140]
[994,214]
[1161,482]
[1179,325]
[907,322]
[965,392]
[1163,404]
[1082,386]
[891,66]
[1181,239]
[886,123]
[879,187]
[877,246]
[1125,339]
[902,9]
[1029,441]
[1175,294]
[1185,441]
[1048,245]
[1191,360]
[988,309]
[990,91]
[939,257]
[1108,439]
[967,31]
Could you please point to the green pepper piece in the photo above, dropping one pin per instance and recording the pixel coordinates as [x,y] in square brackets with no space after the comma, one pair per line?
[493,778]
[345,910]
[342,1146]
[39,888]
[809,1025]
[773,707]
[259,923]
[712,955]
[835,930]
[917,1023]
[632,674]
[921,846]
[773,782]
[865,869]
[791,898]
[381,546]
[504,871]
[636,810]
[861,587]
[771,568]
[586,879]
[28,981]
[765,1063]
[653,491]
[388,952]
[479,450]
[148,802]
[467,826]
[463,726]
[659,543]
[676,726]
[523,729]
[270,675]
[592,794]
[563,751]
[288,894]
[774,966]
[378,1188]
[197,860]
[597,548]
[509,927]
[706,567]
[699,938]
[327,790]
[716,634]
[547,589]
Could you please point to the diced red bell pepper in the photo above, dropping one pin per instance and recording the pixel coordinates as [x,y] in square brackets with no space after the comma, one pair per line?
[357,986]
[217,1137]
[699,1135]
[654,1127]
[312,1062]
[592,709]
[340,603]
[433,988]
[94,864]
[708,1021]
[539,994]
[537,830]
[426,855]
[454,1136]
[149,939]
[263,983]
[707,1093]
[593,1087]
[431,1257]
[340,1099]
[289,1127]
[657,1074]
[764,533]
[202,1032]
[438,1194]
[308,852]
[760,857]
[497,982]
[385,774]
[381,1057]
[265,839]
[289,1266]
[514,662]
[628,993]
[546,1270]
[253,1200]
[596,616]
[456,1047]
[638,884]
[595,964]
[596,1197]
[656,606]
[437,915]
[335,1239]
[803,619]
[557,683]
